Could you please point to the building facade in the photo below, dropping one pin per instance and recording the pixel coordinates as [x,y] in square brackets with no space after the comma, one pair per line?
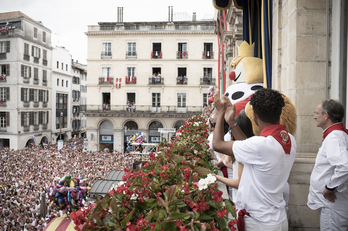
[61,94]
[144,76]
[25,82]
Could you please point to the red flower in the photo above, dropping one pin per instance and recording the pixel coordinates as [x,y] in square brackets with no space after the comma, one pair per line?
[221,213]
[158,195]
[231,224]
[164,175]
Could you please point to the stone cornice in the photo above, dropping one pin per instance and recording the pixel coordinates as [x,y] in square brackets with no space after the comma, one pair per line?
[149,115]
[212,32]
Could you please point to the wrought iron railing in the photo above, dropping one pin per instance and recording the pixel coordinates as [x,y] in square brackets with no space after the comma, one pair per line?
[143,109]
[207,81]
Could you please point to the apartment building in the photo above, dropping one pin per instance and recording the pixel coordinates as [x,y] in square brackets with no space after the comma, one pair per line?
[25,82]
[146,75]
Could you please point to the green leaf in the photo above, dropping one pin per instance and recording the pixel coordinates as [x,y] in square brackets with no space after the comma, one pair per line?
[150,215]
[180,215]
[168,226]
[97,211]
[113,204]
[204,217]
[201,170]
[180,204]
[150,203]
[127,219]
[109,221]
[222,222]
[158,226]
[230,208]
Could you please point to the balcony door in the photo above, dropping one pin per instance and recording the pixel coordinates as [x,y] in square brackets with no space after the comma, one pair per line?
[156,102]
[181,103]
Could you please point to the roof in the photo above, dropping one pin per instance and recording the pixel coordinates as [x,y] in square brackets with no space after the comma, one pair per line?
[13,15]
[102,187]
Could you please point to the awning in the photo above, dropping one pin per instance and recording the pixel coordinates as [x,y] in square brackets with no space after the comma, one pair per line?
[115,175]
[102,187]
[61,224]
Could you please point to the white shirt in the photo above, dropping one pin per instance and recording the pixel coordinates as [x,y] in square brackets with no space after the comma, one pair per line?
[331,169]
[266,171]
[210,138]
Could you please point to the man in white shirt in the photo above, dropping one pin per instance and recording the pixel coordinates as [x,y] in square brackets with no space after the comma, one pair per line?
[329,180]
[267,160]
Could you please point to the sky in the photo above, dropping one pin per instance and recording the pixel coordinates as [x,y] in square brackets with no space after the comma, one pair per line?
[68,19]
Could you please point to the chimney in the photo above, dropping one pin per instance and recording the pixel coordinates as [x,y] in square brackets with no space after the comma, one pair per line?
[194,16]
[168,13]
[120,14]
[172,13]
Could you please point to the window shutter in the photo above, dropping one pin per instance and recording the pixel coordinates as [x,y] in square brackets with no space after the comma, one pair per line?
[22,70]
[39,53]
[47,95]
[31,94]
[8,46]
[29,72]
[32,50]
[40,117]
[47,117]
[7,93]
[7,69]
[31,118]
[22,94]
[22,118]
[7,119]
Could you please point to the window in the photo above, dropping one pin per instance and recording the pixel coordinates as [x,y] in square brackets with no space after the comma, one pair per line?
[44,76]
[57,82]
[26,48]
[36,73]
[25,71]
[181,100]
[35,118]
[25,119]
[4,94]
[132,48]
[62,83]
[156,50]
[156,99]
[130,74]
[66,83]
[44,55]
[4,119]
[5,70]
[35,32]
[106,49]
[24,95]
[57,64]
[61,101]
[182,78]
[182,50]
[207,72]
[36,97]
[31,94]
[44,36]
[208,50]
[5,47]
[205,99]
[106,72]
[66,67]
[35,52]
[62,66]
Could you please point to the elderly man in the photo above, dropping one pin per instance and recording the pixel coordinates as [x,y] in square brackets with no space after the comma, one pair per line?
[329,180]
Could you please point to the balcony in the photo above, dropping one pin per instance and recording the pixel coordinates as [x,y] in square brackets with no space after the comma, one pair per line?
[156,81]
[44,62]
[26,104]
[207,81]
[36,60]
[36,127]
[156,54]
[207,55]
[106,81]
[3,56]
[139,109]
[26,57]
[3,129]
[131,55]
[3,103]
[44,104]
[26,128]
[36,81]
[44,126]
[36,104]
[44,82]
[3,78]
[106,55]
[181,54]
[26,80]
[131,80]
[83,108]
[181,80]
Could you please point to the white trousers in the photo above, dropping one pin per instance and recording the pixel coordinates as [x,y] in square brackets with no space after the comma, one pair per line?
[332,220]
[253,225]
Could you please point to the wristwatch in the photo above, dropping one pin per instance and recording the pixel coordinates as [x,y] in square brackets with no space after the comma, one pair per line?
[330,189]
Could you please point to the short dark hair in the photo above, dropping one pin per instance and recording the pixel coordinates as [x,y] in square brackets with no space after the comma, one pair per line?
[267,104]
[334,109]
[244,123]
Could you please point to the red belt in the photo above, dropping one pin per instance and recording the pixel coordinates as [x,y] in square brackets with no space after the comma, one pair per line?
[241,222]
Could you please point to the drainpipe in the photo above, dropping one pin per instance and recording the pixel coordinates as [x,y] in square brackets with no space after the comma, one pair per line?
[327,48]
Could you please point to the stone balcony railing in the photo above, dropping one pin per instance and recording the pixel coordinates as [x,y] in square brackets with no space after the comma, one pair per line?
[207,81]
[207,55]
[106,80]
[156,81]
[169,109]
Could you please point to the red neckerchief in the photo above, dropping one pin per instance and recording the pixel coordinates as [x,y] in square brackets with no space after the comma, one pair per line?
[240,221]
[337,126]
[278,132]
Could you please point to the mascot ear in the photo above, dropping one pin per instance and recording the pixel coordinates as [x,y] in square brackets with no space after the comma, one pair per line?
[222,5]
[250,115]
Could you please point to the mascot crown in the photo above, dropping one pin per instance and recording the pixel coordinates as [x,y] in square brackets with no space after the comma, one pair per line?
[246,50]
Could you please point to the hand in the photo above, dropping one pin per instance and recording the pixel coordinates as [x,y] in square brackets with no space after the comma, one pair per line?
[330,195]
[230,114]
[219,105]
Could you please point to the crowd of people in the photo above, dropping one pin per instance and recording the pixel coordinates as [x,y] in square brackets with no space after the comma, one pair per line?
[27,173]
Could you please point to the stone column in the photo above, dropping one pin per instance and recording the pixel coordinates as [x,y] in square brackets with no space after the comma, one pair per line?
[118,140]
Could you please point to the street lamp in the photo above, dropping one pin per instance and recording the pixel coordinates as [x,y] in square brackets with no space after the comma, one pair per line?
[61,117]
